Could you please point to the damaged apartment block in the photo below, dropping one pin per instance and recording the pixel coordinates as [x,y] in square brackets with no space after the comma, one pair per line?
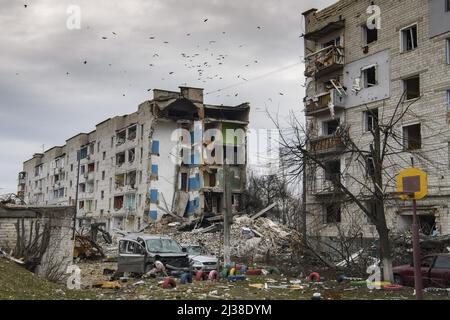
[356,74]
[166,158]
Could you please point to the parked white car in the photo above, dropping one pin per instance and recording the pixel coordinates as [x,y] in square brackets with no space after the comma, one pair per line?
[201,259]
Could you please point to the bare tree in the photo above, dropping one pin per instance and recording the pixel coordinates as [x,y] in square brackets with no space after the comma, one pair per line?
[265,190]
[368,178]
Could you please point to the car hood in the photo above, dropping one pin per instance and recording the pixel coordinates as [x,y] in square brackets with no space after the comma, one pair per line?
[169,254]
[203,258]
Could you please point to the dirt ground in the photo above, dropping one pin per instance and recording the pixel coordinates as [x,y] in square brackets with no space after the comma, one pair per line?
[18,283]
[270,287]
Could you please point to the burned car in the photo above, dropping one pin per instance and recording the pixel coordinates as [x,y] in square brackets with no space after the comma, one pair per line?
[138,254]
[200,258]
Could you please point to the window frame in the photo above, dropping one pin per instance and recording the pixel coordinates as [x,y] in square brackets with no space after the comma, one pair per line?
[366,115]
[365,30]
[405,86]
[337,214]
[402,40]
[364,76]
[405,140]
[448,99]
[447,50]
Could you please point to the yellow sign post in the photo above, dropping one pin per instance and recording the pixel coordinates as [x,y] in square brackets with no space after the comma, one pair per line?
[412,184]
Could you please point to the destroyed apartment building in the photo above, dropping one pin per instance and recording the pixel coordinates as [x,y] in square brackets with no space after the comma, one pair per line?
[136,168]
[356,74]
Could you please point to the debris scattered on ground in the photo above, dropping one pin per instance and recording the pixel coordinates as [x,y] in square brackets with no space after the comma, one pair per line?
[85,248]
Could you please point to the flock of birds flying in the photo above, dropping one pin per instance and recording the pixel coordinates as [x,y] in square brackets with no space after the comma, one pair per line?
[205,62]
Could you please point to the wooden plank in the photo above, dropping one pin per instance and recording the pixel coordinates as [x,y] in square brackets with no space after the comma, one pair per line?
[260,213]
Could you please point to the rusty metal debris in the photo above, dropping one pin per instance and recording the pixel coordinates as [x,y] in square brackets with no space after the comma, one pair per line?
[85,248]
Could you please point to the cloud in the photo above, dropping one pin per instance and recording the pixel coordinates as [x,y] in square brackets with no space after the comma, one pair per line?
[49,94]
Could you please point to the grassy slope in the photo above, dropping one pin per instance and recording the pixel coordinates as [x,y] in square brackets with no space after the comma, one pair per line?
[19,284]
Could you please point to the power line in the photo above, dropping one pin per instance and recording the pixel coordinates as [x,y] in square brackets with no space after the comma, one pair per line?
[256,78]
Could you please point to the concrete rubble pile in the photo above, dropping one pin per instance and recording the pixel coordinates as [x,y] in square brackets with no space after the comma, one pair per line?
[256,240]
[402,246]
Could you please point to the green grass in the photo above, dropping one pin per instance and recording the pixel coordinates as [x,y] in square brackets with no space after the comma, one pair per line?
[17,283]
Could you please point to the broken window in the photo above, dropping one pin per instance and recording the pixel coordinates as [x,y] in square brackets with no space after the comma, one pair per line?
[82,187]
[119,181]
[412,138]
[409,38]
[330,127]
[121,137]
[131,155]
[81,205]
[131,179]
[83,153]
[333,213]
[91,167]
[332,170]
[369,35]
[184,178]
[369,76]
[132,132]
[370,119]
[120,158]
[209,178]
[118,203]
[412,87]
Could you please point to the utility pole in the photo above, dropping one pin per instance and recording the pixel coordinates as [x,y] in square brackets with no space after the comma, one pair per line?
[417,254]
[76,194]
[416,249]
[303,225]
[227,213]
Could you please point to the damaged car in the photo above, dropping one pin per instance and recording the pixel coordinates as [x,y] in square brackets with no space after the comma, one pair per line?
[435,272]
[200,258]
[138,254]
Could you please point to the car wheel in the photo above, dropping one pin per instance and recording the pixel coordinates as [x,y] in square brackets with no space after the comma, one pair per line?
[398,279]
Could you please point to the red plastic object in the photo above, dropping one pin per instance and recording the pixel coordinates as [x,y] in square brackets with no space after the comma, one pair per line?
[253,272]
[169,283]
[199,276]
[213,275]
[314,276]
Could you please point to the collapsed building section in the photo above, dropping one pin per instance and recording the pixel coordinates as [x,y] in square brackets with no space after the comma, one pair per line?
[165,159]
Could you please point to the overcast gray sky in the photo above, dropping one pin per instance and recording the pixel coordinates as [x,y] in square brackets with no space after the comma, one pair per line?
[251,48]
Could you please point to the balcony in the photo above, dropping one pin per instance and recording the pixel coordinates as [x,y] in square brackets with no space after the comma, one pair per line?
[90,176]
[326,144]
[321,103]
[325,187]
[324,61]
